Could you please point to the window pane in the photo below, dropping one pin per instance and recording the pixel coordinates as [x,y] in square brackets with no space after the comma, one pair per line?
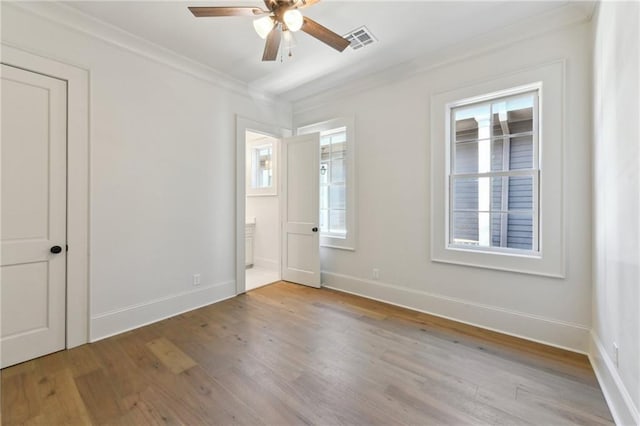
[325,153]
[262,167]
[465,228]
[512,193]
[337,221]
[324,173]
[512,230]
[339,150]
[339,137]
[338,170]
[324,197]
[465,194]
[508,230]
[502,193]
[337,197]
[497,186]
[520,231]
[468,156]
[324,220]
[520,193]
[521,153]
[471,122]
[498,155]
[513,115]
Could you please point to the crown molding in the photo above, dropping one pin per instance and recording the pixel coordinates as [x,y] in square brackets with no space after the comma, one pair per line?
[324,91]
[83,23]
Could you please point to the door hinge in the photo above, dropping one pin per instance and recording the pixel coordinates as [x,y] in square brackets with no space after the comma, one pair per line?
[66,247]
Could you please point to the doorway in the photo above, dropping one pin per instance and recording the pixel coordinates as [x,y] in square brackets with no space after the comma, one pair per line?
[286,169]
[262,210]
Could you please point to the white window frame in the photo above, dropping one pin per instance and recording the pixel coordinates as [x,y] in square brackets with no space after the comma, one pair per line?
[348,241]
[550,261]
[272,190]
[534,172]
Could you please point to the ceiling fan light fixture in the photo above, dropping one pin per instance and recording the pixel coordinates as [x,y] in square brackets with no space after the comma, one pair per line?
[263,26]
[288,40]
[293,19]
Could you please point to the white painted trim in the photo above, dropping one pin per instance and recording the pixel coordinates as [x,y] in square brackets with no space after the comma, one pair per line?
[616,394]
[551,260]
[83,23]
[548,331]
[77,79]
[242,125]
[135,316]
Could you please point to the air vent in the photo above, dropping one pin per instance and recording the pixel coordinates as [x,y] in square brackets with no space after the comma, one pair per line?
[360,38]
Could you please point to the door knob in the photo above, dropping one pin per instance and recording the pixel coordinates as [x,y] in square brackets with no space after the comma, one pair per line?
[56,249]
[315,229]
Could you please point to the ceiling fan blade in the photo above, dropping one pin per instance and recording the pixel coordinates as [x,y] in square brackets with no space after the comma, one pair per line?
[272,45]
[324,34]
[200,12]
[301,4]
[271,4]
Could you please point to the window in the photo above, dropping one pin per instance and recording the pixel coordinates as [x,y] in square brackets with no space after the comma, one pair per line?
[337,188]
[494,174]
[497,189]
[333,194]
[261,161]
[261,167]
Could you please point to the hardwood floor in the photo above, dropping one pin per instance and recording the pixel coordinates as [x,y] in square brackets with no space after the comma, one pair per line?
[286,354]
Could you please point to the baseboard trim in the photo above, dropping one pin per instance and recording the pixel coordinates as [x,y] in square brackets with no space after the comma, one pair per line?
[125,319]
[620,402]
[563,335]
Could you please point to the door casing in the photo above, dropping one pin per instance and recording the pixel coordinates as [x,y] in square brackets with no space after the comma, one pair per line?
[242,125]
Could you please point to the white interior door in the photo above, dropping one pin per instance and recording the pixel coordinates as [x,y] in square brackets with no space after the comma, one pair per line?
[33,224]
[301,212]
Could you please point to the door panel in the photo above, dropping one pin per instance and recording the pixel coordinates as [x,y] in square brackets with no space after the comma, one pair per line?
[33,160]
[301,194]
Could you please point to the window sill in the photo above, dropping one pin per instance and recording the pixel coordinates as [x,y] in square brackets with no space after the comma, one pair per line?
[333,242]
[511,253]
[515,269]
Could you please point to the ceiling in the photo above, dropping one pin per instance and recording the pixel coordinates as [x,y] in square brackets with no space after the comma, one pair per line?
[405,30]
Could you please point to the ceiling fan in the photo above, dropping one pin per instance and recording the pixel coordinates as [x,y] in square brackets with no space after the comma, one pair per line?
[282,17]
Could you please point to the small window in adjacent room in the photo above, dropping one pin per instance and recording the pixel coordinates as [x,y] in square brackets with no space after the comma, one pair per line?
[494,173]
[337,188]
[261,164]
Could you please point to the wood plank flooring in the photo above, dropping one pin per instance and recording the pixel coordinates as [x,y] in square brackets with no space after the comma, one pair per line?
[287,355]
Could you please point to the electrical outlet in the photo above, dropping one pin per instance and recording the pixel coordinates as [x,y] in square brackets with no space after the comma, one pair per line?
[616,359]
[375,274]
[196,279]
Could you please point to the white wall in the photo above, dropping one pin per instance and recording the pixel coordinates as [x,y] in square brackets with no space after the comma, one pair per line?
[266,248]
[393,145]
[162,174]
[616,293]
